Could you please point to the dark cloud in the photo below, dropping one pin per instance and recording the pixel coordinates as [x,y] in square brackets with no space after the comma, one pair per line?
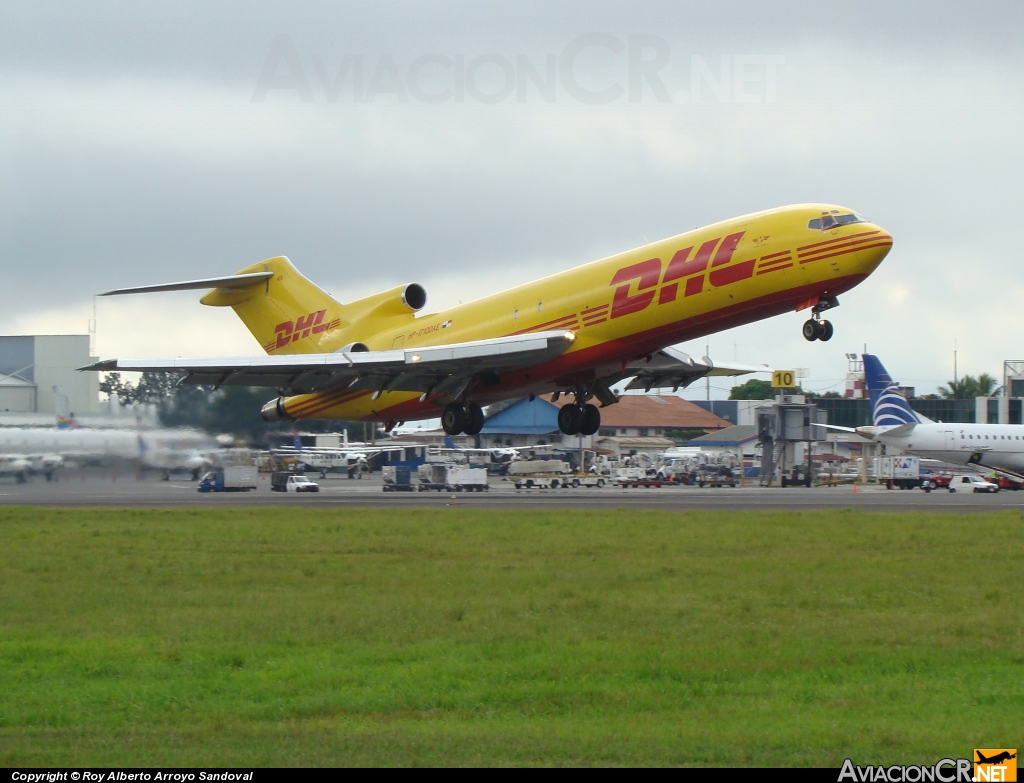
[229,39]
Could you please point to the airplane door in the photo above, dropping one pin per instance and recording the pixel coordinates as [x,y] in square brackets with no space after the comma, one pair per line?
[950,441]
[398,342]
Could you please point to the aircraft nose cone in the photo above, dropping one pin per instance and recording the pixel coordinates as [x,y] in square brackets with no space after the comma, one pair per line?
[874,251]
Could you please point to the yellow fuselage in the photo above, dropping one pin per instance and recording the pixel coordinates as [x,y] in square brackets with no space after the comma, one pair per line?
[630,305]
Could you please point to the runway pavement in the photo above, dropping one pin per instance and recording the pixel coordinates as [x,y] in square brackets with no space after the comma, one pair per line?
[125,491]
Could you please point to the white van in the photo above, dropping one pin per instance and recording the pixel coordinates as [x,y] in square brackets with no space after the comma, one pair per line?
[972,484]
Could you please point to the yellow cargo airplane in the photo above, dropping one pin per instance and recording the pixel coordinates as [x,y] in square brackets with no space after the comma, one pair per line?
[576,332]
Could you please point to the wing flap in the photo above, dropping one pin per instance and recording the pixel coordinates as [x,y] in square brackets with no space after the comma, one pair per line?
[412,369]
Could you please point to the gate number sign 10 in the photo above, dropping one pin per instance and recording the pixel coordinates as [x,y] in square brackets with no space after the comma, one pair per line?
[784,379]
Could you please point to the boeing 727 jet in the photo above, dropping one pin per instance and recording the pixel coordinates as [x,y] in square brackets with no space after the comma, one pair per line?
[578,332]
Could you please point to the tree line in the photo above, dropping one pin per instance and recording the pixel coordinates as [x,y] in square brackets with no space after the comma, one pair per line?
[966,388]
[232,410]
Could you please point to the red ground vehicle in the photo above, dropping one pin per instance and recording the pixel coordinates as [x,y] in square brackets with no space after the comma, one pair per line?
[936,481]
[642,482]
[1005,482]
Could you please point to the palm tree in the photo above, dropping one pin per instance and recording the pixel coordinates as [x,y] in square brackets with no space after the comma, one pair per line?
[957,390]
[969,387]
[987,386]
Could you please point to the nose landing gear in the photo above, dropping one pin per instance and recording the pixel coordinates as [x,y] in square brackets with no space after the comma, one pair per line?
[816,329]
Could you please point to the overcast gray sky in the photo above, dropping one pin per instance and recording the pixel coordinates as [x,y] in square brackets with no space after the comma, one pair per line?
[394,142]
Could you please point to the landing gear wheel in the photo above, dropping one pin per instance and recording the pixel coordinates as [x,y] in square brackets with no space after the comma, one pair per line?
[453,419]
[825,331]
[810,330]
[570,417]
[474,419]
[591,420]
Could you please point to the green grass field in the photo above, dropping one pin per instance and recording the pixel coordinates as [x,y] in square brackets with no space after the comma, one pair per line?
[273,636]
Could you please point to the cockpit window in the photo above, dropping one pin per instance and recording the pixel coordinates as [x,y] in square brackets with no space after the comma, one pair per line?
[833,219]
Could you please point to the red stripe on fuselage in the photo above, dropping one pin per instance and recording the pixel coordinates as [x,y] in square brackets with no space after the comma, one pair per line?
[837,239]
[775,268]
[855,243]
[326,404]
[326,399]
[558,323]
[847,251]
[606,358]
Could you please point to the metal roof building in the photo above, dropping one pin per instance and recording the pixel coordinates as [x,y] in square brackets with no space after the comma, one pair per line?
[741,439]
[527,419]
[649,417]
[731,437]
[652,415]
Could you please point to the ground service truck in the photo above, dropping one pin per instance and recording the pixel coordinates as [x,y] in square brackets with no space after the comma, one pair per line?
[231,479]
[898,472]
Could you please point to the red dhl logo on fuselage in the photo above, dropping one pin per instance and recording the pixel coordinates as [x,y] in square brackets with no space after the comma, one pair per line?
[689,272]
[682,266]
[303,326]
[712,263]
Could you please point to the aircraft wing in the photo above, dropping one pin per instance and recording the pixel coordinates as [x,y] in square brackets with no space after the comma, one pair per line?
[444,369]
[672,367]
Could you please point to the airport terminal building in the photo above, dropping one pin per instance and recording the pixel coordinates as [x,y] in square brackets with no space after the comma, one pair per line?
[37,370]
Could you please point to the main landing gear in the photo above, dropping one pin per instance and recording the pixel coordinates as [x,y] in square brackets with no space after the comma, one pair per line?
[816,329]
[457,419]
[579,418]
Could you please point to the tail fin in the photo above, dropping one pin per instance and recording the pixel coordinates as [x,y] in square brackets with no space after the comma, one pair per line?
[285,312]
[888,406]
[288,314]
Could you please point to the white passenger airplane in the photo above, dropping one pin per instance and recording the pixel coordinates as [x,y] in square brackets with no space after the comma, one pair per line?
[25,450]
[15,465]
[896,424]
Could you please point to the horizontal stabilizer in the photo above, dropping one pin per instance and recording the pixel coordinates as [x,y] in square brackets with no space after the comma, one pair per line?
[732,370]
[671,367]
[228,281]
[838,428]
